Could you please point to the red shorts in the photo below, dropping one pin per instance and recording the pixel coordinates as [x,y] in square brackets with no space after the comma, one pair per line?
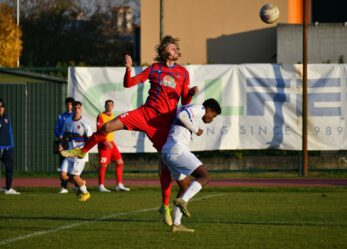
[107,154]
[148,120]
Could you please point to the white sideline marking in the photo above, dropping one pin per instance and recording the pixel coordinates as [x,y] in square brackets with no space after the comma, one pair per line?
[30,235]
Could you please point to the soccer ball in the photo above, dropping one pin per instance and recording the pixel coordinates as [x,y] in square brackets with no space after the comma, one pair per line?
[269,13]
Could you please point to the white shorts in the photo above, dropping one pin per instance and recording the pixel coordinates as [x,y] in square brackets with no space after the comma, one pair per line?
[73,166]
[181,165]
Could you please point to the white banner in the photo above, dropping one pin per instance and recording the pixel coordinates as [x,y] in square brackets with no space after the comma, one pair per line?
[261,104]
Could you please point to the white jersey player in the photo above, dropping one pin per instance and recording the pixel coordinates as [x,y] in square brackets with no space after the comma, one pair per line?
[76,132]
[188,121]
[181,162]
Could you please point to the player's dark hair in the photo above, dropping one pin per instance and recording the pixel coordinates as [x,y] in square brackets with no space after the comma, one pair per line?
[76,103]
[2,103]
[213,105]
[69,100]
[109,100]
[162,55]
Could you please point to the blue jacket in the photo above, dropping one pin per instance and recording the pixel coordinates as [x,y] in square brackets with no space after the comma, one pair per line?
[59,125]
[6,134]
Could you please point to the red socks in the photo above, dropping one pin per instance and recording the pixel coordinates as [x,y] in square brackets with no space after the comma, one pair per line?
[119,172]
[102,172]
[166,185]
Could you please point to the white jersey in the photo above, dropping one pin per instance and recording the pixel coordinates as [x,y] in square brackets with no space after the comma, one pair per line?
[188,120]
[77,132]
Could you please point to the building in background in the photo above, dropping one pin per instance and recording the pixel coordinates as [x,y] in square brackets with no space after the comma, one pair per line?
[124,19]
[327,43]
[231,32]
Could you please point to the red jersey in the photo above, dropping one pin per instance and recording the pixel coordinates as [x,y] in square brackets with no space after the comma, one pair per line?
[168,84]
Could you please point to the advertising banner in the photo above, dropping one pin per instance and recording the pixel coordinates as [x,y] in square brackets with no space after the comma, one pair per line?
[261,104]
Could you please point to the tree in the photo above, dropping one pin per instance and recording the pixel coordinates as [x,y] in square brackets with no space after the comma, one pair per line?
[10,37]
[62,32]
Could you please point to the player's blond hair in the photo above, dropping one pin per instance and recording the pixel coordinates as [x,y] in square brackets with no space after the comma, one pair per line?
[162,55]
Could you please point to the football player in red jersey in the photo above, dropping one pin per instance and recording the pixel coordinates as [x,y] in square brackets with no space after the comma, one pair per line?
[108,151]
[168,83]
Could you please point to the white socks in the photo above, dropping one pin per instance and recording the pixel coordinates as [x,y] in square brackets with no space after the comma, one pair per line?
[192,190]
[177,216]
[83,189]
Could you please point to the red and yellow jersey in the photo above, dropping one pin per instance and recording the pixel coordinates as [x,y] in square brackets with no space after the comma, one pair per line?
[168,84]
[101,120]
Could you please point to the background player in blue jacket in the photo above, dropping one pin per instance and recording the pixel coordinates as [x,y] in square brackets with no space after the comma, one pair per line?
[6,148]
[59,132]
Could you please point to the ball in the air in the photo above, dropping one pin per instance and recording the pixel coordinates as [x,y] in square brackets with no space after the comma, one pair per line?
[269,13]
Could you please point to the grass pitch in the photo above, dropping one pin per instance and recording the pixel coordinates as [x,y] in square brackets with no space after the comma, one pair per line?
[222,218]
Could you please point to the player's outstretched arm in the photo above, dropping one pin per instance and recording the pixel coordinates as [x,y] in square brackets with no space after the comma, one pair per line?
[132,81]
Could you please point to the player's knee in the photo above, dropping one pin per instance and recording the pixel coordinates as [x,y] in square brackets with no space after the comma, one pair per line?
[77,179]
[204,178]
[64,176]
